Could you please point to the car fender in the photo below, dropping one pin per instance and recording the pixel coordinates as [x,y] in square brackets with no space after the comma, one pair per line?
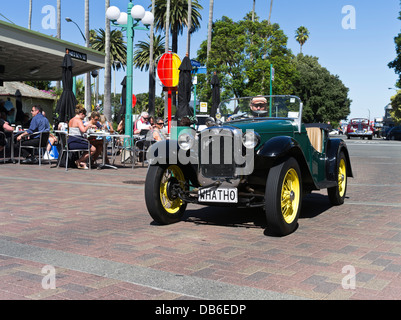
[278,148]
[167,152]
[334,147]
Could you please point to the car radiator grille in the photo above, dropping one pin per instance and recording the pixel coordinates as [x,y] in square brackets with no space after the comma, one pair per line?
[216,155]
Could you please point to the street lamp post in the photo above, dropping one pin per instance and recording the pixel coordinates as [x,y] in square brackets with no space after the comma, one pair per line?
[74,79]
[129,22]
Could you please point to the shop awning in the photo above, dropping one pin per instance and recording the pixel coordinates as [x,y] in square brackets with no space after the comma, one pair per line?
[27,55]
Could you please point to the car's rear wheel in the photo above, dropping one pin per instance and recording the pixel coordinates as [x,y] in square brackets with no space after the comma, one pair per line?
[283,198]
[161,197]
[337,193]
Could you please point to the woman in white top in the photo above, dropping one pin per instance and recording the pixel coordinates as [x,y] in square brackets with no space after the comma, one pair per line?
[77,128]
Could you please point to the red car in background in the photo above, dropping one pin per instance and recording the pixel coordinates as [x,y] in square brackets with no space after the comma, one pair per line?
[359,127]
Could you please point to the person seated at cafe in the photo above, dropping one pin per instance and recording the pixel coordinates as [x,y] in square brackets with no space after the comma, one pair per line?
[77,129]
[106,125]
[143,123]
[4,127]
[27,121]
[121,126]
[157,131]
[52,141]
[94,120]
[97,142]
[39,123]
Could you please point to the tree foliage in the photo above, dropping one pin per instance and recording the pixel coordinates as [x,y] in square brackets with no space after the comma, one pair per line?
[241,54]
[324,96]
[118,49]
[178,17]
[396,63]
[142,53]
[396,105]
[301,35]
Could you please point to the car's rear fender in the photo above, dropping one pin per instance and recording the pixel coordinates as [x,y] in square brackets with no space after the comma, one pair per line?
[334,148]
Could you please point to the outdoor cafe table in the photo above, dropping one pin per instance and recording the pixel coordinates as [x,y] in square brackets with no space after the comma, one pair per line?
[104,136]
[14,133]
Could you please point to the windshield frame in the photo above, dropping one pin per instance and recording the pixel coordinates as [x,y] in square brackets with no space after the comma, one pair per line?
[241,115]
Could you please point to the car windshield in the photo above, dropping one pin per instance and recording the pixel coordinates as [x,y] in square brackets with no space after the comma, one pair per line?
[358,121]
[261,107]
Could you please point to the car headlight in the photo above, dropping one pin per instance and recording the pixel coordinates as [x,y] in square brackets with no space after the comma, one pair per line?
[186,141]
[250,139]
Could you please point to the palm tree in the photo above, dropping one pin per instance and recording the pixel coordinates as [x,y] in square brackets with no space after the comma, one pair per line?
[152,82]
[209,32]
[253,11]
[189,26]
[58,31]
[270,12]
[301,35]
[165,25]
[88,75]
[142,54]
[118,50]
[58,19]
[30,15]
[107,68]
[144,58]
[178,17]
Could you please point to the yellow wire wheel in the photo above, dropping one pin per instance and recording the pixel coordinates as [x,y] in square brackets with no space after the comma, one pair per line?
[162,187]
[169,200]
[283,197]
[337,193]
[290,196]
[342,177]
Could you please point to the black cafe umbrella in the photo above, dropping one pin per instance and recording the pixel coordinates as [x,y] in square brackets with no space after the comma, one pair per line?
[215,82]
[19,117]
[123,100]
[184,90]
[66,105]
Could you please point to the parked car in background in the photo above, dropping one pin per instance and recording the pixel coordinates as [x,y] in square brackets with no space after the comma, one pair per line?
[394,133]
[359,127]
[378,127]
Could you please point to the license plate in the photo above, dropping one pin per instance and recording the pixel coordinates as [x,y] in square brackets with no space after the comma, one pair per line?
[225,195]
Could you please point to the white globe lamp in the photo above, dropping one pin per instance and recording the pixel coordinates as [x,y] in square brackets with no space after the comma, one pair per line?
[137,12]
[112,13]
[123,18]
[148,18]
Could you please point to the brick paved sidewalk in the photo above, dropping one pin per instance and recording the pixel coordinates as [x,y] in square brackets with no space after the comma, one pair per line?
[88,220]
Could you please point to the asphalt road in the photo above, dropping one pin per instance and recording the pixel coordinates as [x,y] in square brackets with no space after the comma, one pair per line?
[87,235]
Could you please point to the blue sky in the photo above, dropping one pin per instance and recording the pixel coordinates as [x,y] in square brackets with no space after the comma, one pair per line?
[358,56]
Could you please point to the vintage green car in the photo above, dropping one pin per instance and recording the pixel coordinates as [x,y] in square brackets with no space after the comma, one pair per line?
[258,154]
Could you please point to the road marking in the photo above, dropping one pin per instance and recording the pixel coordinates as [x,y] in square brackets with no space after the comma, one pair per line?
[377,204]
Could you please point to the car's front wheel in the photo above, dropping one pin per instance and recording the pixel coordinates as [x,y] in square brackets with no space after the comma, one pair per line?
[283,197]
[161,193]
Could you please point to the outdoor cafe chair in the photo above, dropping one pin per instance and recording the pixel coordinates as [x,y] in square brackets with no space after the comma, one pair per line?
[41,148]
[3,136]
[65,149]
[123,146]
[142,145]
